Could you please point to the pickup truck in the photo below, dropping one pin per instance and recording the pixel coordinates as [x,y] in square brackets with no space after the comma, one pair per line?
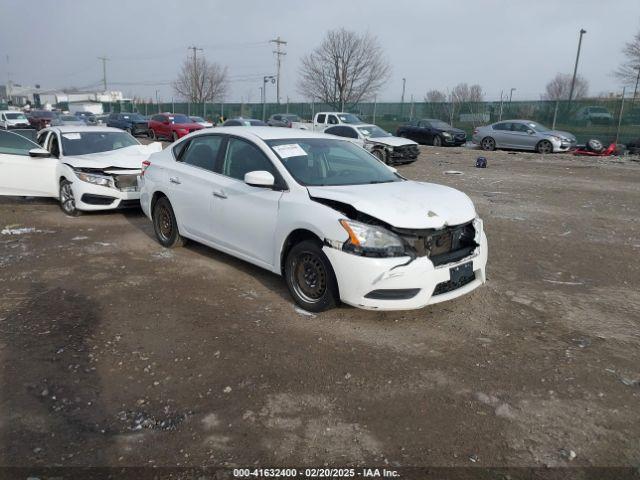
[323,120]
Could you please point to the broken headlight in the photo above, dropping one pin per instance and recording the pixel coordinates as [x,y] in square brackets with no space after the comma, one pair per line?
[95,179]
[371,241]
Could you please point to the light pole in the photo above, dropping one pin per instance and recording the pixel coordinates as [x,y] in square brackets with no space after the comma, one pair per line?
[510,97]
[404,85]
[575,68]
[265,80]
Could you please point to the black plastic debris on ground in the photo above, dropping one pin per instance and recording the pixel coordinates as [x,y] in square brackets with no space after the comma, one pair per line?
[137,420]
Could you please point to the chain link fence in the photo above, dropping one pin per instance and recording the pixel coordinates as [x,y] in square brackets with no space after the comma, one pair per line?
[609,119]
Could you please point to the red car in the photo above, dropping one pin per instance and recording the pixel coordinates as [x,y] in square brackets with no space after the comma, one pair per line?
[40,119]
[171,126]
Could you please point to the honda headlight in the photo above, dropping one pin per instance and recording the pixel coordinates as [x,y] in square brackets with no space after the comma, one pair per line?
[95,179]
[371,241]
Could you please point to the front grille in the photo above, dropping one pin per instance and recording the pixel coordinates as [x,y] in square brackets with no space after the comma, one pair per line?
[126,182]
[406,151]
[449,286]
[461,136]
[446,245]
[97,199]
[392,294]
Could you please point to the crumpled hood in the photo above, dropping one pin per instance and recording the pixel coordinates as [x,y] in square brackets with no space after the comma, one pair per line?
[128,157]
[391,141]
[406,204]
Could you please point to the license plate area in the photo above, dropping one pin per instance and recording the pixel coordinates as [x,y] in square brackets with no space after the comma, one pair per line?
[459,274]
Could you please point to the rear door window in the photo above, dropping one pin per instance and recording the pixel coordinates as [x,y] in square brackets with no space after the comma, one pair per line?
[321,118]
[202,152]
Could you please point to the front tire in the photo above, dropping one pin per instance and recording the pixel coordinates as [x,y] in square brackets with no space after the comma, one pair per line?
[310,277]
[67,199]
[488,144]
[151,134]
[165,225]
[544,146]
[436,141]
[174,137]
[380,155]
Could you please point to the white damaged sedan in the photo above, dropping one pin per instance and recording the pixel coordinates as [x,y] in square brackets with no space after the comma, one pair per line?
[336,222]
[86,168]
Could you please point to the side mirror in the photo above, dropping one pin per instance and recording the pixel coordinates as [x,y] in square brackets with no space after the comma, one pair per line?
[39,153]
[530,132]
[259,178]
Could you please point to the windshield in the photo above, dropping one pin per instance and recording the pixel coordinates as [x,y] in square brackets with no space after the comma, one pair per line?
[349,118]
[537,127]
[15,116]
[292,118]
[373,132]
[317,162]
[84,143]
[197,119]
[439,124]
[136,117]
[180,119]
[45,114]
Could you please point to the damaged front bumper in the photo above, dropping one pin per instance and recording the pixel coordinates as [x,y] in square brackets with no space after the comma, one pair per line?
[399,284]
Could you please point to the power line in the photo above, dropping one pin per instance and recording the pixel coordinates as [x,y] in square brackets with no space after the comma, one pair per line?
[279,54]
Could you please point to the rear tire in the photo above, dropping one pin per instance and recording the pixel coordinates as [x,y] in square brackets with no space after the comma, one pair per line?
[544,147]
[165,225]
[488,144]
[67,199]
[310,277]
[151,134]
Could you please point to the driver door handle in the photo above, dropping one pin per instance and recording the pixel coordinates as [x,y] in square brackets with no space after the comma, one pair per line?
[219,194]
[175,180]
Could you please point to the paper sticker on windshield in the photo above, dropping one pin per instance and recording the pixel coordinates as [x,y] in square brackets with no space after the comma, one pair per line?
[290,150]
[71,136]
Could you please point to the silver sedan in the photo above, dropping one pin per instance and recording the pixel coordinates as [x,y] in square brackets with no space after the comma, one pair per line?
[523,135]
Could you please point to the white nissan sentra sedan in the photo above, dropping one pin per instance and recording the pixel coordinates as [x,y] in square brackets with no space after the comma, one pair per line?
[86,168]
[336,222]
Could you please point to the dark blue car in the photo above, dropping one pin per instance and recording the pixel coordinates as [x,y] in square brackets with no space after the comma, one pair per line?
[134,123]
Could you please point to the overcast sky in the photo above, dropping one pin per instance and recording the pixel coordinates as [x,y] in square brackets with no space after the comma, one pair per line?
[433,44]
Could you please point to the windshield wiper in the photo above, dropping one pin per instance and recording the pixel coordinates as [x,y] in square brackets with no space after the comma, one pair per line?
[381,181]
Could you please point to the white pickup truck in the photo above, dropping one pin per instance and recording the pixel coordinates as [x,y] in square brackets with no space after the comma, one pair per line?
[323,120]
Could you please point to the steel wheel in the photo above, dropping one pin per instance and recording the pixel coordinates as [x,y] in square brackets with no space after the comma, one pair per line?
[488,143]
[437,141]
[165,225]
[67,200]
[544,146]
[309,277]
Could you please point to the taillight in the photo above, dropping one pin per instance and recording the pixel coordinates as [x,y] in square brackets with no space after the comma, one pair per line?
[145,165]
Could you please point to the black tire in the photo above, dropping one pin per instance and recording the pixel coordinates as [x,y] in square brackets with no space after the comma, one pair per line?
[165,225]
[594,145]
[380,155]
[544,146]
[174,137]
[436,141]
[151,134]
[67,200]
[310,277]
[488,143]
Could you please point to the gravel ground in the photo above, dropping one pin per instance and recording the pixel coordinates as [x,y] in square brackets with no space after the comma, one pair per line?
[116,352]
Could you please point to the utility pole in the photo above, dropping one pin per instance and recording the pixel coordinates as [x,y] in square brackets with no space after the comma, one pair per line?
[265,80]
[510,97]
[404,85]
[575,68]
[624,89]
[104,72]
[195,75]
[279,54]
[635,90]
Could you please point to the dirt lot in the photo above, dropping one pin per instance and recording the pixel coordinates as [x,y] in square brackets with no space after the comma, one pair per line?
[114,351]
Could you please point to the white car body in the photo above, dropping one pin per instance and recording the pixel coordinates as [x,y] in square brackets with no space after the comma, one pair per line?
[13,119]
[258,224]
[323,120]
[202,122]
[395,149]
[21,174]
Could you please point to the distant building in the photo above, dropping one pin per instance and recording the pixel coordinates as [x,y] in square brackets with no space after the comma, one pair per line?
[19,95]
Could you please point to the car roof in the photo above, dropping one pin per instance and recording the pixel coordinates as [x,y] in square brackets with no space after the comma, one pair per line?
[265,133]
[80,129]
[11,111]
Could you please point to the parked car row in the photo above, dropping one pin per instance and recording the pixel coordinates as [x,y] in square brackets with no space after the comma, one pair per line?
[316,208]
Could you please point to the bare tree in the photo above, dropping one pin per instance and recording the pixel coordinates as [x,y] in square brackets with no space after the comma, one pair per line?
[560,86]
[201,81]
[345,69]
[628,70]
[462,95]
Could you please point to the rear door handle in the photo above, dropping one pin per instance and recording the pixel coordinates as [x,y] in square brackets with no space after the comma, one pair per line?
[219,194]
[175,180]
